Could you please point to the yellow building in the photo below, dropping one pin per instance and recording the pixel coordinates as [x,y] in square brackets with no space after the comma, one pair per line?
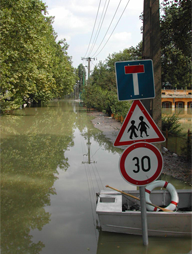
[176,99]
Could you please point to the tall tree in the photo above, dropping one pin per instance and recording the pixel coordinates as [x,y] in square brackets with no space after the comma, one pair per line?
[176,40]
[81,75]
[104,73]
[33,65]
[63,72]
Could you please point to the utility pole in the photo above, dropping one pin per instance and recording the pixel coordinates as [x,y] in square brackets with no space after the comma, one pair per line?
[89,151]
[152,50]
[89,60]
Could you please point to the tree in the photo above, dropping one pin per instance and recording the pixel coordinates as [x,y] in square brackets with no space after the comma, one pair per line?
[33,66]
[103,77]
[102,92]
[81,75]
[104,73]
[63,72]
[176,43]
[127,54]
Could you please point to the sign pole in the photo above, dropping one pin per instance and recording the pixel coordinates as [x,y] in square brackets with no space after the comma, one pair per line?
[140,164]
[143,215]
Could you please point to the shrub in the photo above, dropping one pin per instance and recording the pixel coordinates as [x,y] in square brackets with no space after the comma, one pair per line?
[103,100]
[171,123]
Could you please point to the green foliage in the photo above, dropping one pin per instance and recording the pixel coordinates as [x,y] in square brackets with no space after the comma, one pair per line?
[101,94]
[81,76]
[120,108]
[125,55]
[187,148]
[33,66]
[103,100]
[171,123]
[95,97]
[63,72]
[176,40]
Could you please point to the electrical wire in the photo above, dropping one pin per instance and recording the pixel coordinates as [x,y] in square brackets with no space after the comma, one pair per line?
[96,54]
[100,25]
[109,25]
[93,65]
[93,28]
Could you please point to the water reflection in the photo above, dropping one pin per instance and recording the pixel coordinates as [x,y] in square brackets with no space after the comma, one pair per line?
[30,156]
[127,244]
[180,111]
[177,144]
[48,194]
[34,142]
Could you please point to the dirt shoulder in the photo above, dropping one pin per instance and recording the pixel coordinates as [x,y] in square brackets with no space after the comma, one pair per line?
[174,165]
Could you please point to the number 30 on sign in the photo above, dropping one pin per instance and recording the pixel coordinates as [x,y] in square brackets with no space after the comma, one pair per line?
[141,163]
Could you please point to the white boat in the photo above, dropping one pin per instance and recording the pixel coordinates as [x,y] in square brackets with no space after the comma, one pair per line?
[121,214]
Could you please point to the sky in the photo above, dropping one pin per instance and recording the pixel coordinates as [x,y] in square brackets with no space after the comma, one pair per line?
[117,27]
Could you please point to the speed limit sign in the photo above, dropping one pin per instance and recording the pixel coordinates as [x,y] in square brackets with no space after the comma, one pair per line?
[141,163]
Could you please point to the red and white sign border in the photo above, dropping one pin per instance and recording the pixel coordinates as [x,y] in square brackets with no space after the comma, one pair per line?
[130,149]
[138,103]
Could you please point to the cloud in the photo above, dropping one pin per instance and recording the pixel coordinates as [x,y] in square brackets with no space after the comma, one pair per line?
[74,21]
[121,37]
[83,7]
[135,7]
[116,43]
[66,19]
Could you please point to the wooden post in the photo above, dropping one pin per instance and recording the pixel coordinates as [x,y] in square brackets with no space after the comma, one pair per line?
[152,50]
[188,145]
[166,138]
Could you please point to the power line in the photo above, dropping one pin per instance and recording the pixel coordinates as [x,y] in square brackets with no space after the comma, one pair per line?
[93,28]
[109,25]
[96,54]
[93,64]
[100,25]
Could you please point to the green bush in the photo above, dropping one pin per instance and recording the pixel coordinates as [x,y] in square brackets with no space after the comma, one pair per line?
[103,100]
[186,149]
[171,123]
[120,108]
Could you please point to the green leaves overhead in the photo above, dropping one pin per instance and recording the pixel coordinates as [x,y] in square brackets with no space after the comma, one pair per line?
[33,66]
[176,43]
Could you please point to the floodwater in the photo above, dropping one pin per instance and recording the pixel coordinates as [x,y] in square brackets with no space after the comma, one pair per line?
[53,162]
[176,144]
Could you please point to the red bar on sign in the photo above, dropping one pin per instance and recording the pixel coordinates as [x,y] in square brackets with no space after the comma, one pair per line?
[134,69]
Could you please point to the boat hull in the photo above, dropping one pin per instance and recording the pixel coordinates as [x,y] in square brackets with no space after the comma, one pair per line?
[113,219]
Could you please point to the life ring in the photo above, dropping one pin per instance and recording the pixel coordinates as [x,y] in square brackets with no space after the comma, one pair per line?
[163,184]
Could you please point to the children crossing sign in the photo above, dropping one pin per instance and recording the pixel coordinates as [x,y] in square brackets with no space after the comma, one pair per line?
[138,126]
[135,80]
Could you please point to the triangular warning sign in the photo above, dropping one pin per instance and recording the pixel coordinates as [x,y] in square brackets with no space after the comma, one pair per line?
[138,126]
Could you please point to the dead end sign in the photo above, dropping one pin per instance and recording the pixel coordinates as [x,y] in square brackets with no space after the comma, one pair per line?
[135,80]
[138,126]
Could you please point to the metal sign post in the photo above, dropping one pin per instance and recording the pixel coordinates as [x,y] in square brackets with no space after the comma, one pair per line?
[143,215]
[140,164]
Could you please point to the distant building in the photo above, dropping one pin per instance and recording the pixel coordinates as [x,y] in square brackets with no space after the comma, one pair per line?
[176,98]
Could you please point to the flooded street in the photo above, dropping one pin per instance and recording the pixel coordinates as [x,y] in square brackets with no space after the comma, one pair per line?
[53,162]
